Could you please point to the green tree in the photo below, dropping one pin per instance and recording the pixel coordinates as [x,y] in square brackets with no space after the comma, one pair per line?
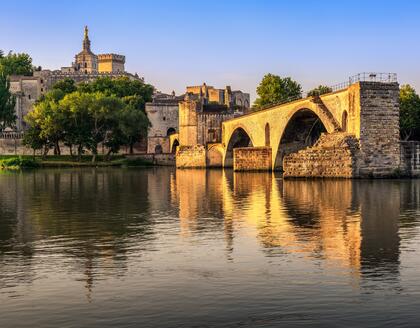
[133,92]
[7,104]
[16,64]
[274,89]
[77,122]
[67,86]
[409,113]
[47,118]
[103,112]
[319,90]
[32,138]
[133,124]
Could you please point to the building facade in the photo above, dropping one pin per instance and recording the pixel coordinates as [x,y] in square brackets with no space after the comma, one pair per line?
[194,118]
[164,119]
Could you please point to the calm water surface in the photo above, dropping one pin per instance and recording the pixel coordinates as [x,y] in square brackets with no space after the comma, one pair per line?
[166,248]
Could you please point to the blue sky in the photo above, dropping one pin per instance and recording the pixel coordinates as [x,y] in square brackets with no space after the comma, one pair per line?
[178,43]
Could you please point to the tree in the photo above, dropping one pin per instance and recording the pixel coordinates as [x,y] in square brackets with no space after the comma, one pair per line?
[103,112]
[274,89]
[133,92]
[7,104]
[409,113]
[133,124]
[319,90]
[16,64]
[77,121]
[47,119]
[32,138]
[67,86]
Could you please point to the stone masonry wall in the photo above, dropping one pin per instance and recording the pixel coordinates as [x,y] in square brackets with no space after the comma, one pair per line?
[191,157]
[379,128]
[334,155]
[15,147]
[410,158]
[252,159]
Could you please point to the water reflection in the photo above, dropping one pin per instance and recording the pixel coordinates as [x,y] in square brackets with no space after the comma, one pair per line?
[95,225]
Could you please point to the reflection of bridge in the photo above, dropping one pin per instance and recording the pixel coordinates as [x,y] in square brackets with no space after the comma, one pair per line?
[335,219]
[361,122]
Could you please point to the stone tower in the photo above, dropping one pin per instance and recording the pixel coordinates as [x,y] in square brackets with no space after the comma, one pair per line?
[86,61]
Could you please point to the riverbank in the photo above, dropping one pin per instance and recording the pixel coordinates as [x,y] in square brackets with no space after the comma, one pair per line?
[11,162]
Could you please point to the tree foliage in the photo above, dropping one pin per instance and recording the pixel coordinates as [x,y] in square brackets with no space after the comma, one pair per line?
[133,92]
[86,116]
[16,64]
[7,104]
[409,113]
[67,86]
[274,89]
[319,90]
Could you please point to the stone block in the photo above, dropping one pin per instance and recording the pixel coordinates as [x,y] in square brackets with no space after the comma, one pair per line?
[252,159]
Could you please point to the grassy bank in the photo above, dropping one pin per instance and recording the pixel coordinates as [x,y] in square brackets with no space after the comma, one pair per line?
[18,162]
[21,162]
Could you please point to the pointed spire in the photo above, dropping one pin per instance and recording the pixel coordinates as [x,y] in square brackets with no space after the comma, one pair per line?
[86,41]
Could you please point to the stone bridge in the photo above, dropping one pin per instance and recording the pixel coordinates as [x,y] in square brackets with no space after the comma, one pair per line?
[359,126]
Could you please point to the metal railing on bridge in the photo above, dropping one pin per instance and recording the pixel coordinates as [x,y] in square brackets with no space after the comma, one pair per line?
[360,77]
[365,77]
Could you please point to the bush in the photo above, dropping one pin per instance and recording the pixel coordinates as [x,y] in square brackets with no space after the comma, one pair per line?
[18,163]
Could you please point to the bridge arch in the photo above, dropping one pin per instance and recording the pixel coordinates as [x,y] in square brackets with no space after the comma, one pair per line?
[239,138]
[302,129]
[174,146]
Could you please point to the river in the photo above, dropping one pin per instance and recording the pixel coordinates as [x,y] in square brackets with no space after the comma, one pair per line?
[193,248]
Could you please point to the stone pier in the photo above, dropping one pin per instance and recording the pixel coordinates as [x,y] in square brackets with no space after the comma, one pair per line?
[252,159]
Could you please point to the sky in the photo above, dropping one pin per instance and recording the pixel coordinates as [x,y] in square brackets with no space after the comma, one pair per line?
[173,44]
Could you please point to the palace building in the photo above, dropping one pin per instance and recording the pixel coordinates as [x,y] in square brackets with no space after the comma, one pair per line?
[86,67]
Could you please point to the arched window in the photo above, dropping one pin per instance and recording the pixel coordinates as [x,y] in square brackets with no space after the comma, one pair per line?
[267,135]
[158,149]
[170,131]
[344,121]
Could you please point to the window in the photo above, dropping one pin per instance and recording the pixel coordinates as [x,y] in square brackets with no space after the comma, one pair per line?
[344,121]
[42,89]
[170,131]
[267,135]
[42,81]
[164,118]
[29,96]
